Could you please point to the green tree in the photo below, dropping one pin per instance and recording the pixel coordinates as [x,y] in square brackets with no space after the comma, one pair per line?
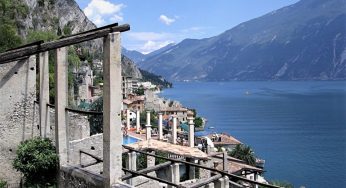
[198,122]
[245,153]
[139,91]
[38,161]
[8,37]
[96,121]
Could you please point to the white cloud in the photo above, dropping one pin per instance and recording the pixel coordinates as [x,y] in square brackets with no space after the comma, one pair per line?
[150,46]
[166,20]
[103,12]
[149,36]
[146,42]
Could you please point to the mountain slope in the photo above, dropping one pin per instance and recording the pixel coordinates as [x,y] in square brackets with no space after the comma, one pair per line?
[306,40]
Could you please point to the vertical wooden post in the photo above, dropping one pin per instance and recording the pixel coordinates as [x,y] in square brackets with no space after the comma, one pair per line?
[61,103]
[44,94]
[112,99]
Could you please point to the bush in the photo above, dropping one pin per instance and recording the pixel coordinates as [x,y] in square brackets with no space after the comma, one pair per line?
[3,184]
[245,153]
[198,122]
[96,121]
[38,161]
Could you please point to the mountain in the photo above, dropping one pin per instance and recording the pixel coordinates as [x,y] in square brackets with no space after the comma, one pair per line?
[138,57]
[133,54]
[304,41]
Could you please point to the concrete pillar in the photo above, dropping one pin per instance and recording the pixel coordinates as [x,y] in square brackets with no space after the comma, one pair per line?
[192,169]
[148,126]
[131,164]
[174,174]
[112,99]
[255,178]
[128,119]
[226,178]
[151,163]
[220,183]
[61,135]
[203,173]
[138,121]
[225,161]
[44,93]
[160,127]
[191,132]
[174,131]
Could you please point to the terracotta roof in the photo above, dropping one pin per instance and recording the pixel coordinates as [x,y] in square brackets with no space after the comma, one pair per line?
[235,165]
[225,139]
[130,101]
[174,109]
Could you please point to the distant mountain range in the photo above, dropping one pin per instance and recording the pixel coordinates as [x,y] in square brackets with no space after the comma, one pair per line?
[304,41]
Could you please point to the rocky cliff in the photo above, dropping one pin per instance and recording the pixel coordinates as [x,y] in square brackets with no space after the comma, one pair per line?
[65,16]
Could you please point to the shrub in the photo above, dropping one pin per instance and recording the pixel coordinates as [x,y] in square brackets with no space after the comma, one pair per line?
[38,161]
[3,184]
[245,153]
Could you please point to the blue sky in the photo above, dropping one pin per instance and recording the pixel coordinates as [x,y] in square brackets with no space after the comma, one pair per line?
[156,23]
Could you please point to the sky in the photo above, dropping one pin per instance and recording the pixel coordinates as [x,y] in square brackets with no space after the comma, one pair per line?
[156,23]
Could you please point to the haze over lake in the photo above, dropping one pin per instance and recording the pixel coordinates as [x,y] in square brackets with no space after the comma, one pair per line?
[299,128]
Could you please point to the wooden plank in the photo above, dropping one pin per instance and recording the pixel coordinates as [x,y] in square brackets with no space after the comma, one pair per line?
[75,39]
[147,170]
[206,181]
[203,167]
[151,177]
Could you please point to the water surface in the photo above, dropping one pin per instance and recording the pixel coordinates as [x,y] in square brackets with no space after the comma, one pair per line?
[299,128]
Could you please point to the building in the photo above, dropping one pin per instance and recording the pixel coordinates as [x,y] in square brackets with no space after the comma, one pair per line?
[224,140]
[133,102]
[178,111]
[129,85]
[85,79]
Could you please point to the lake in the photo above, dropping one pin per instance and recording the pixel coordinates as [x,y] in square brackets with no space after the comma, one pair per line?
[298,127]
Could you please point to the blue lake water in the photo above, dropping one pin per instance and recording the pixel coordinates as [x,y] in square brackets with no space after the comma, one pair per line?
[299,128]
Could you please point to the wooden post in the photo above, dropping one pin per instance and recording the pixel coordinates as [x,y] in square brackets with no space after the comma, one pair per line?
[44,94]
[61,138]
[112,98]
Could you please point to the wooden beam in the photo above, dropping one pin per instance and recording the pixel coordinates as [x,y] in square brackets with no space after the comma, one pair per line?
[147,170]
[153,178]
[203,167]
[206,181]
[75,39]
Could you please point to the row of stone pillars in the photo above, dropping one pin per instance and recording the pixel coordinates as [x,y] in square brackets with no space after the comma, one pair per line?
[112,98]
[190,118]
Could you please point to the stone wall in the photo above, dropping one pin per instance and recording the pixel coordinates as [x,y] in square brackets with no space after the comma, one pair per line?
[92,145]
[19,115]
[18,118]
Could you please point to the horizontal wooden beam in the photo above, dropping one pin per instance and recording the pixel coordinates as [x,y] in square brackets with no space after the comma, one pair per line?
[71,40]
[203,167]
[153,178]
[206,181]
[147,170]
